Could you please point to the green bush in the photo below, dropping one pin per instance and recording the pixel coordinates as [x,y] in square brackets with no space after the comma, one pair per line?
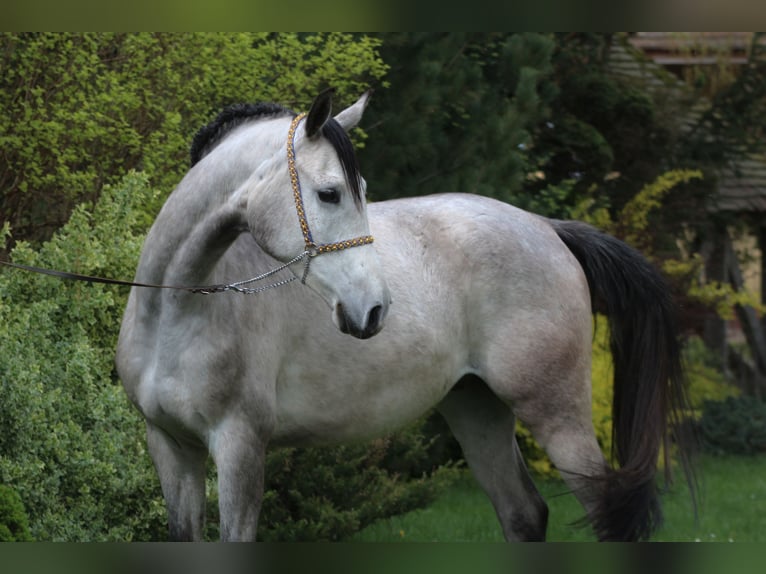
[705,378]
[70,443]
[736,425]
[329,494]
[14,524]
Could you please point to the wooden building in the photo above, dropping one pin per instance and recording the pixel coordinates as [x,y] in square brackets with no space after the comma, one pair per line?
[665,64]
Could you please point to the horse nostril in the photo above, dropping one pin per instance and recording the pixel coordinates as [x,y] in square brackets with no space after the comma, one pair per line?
[340,314]
[373,319]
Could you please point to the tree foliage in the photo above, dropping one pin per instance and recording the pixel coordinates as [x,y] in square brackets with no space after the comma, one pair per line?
[735,120]
[455,114]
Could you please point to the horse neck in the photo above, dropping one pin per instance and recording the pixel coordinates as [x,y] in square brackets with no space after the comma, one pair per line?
[203,215]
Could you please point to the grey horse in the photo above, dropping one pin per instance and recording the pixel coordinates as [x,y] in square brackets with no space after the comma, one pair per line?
[461,303]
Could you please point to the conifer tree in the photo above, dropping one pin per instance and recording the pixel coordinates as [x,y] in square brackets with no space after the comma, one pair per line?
[455,113]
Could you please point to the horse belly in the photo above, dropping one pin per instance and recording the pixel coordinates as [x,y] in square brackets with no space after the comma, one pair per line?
[359,399]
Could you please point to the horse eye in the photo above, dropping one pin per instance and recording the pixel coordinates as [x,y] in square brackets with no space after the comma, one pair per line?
[329,195]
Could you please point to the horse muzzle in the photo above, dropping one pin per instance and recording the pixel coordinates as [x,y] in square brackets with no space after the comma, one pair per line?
[361,325]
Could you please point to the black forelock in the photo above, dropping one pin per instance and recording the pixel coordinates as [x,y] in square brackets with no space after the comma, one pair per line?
[341,143]
[213,133]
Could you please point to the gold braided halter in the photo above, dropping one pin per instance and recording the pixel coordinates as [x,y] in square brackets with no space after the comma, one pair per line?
[311,246]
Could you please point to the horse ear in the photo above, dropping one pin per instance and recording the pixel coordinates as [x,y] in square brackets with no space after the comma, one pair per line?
[320,111]
[351,116]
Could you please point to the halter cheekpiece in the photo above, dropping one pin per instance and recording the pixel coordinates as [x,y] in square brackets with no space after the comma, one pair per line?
[312,248]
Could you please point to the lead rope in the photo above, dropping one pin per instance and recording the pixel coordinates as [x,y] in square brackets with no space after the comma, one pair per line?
[203,290]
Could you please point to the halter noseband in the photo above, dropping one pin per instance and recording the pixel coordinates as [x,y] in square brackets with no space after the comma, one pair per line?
[312,248]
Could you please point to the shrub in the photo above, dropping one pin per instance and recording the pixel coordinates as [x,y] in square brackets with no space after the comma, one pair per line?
[736,425]
[14,524]
[70,443]
[328,494]
[705,379]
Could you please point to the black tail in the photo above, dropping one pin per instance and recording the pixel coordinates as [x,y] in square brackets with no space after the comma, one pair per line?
[649,395]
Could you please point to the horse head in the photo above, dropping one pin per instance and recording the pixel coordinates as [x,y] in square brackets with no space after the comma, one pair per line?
[310,197]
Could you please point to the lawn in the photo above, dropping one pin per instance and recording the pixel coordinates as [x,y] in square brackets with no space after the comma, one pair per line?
[732,508]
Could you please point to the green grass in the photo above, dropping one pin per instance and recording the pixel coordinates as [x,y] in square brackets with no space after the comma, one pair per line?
[732,508]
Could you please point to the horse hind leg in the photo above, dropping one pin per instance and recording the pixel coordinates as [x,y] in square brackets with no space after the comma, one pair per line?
[181,470]
[485,428]
[550,392]
[574,451]
[560,419]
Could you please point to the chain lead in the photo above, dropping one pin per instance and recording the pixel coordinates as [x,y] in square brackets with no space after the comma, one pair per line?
[237,287]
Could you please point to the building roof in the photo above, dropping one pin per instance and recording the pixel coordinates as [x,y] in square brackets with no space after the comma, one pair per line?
[742,187]
[693,48]
[648,57]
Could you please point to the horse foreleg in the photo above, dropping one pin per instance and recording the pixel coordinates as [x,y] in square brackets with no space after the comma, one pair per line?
[485,428]
[239,454]
[181,470]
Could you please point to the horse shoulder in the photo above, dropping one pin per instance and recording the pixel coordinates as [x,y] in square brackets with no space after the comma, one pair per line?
[188,368]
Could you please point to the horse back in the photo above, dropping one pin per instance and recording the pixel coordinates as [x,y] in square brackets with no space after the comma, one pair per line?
[483,251]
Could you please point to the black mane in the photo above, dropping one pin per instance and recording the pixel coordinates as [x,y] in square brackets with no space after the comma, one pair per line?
[235,115]
[213,133]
